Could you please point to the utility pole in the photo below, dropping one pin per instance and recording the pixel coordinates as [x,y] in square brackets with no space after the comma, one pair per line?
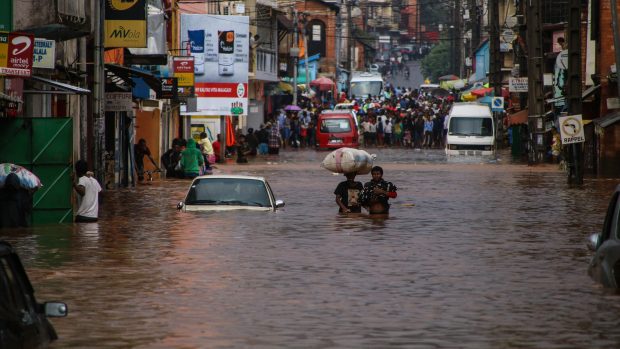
[573,87]
[452,37]
[614,23]
[495,69]
[349,43]
[535,64]
[295,54]
[99,94]
[458,38]
[521,50]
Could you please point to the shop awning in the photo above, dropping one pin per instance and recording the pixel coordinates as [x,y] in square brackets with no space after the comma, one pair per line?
[58,87]
[608,119]
[590,90]
[517,118]
[126,73]
[284,22]
[6,97]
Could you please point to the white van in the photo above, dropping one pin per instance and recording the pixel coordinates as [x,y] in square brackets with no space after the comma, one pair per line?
[471,130]
[365,85]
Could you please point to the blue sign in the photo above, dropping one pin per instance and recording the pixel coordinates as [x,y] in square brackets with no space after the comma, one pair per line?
[497,104]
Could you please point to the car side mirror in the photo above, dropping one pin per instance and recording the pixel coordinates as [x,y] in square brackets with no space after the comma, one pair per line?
[279,203]
[180,205]
[593,241]
[56,309]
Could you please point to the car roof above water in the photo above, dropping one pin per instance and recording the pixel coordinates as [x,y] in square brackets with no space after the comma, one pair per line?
[262,179]
[470,109]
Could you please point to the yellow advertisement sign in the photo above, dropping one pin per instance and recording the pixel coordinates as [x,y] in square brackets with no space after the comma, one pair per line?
[185,79]
[125,33]
[4,49]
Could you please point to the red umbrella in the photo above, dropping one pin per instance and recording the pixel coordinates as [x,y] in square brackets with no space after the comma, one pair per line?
[481,92]
[323,83]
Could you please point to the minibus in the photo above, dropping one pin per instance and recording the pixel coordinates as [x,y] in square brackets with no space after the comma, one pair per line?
[471,130]
[336,129]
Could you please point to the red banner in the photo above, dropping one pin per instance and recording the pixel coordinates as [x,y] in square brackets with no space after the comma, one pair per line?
[221,89]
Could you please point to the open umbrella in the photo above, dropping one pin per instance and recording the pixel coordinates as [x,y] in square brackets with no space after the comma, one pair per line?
[482,91]
[448,77]
[323,83]
[292,107]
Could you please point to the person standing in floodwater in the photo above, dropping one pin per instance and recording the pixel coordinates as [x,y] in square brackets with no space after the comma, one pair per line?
[88,190]
[377,192]
[348,194]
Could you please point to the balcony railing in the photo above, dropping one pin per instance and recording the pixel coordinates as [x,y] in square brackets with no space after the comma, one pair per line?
[265,65]
[57,20]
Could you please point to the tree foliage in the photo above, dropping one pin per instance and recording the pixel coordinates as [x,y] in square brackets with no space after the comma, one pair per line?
[437,61]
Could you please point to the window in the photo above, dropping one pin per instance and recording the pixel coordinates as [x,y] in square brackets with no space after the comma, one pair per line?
[9,283]
[316,32]
[366,88]
[460,126]
[223,191]
[335,126]
[612,223]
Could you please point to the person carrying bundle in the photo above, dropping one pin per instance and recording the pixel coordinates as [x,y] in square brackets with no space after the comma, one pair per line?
[348,194]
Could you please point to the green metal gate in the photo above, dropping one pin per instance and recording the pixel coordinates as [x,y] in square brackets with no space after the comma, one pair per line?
[44,146]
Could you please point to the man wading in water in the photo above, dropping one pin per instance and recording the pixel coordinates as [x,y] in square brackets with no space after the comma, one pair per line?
[377,192]
[348,194]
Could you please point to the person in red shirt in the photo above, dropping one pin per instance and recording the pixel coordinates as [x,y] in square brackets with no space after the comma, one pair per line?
[216,148]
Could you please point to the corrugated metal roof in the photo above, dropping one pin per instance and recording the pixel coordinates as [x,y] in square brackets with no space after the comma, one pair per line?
[608,119]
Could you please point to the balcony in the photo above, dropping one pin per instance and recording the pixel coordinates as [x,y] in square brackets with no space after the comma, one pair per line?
[58,20]
[264,65]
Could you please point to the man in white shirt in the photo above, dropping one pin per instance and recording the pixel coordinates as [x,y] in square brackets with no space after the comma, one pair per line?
[88,190]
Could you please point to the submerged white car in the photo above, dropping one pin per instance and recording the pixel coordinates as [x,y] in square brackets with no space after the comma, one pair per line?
[229,192]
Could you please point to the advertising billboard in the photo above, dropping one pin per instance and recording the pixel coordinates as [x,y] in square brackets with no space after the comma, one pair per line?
[220,47]
[125,23]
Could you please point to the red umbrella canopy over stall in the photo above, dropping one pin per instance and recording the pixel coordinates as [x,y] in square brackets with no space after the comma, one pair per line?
[323,83]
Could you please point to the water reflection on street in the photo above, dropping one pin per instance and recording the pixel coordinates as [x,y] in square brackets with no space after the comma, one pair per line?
[476,254]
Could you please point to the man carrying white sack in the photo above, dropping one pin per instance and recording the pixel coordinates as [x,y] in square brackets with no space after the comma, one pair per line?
[348,194]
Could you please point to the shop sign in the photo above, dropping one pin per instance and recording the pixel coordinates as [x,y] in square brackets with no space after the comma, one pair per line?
[169,88]
[118,101]
[16,51]
[183,70]
[44,54]
[517,85]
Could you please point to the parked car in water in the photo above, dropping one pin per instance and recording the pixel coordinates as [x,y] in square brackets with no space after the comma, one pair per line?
[229,192]
[23,321]
[604,267]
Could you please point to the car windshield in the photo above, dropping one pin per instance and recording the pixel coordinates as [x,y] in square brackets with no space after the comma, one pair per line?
[335,126]
[461,126]
[366,88]
[228,191]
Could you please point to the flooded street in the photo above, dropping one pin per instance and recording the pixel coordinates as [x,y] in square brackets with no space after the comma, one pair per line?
[474,255]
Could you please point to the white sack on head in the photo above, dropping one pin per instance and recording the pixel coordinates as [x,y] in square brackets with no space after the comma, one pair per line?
[348,160]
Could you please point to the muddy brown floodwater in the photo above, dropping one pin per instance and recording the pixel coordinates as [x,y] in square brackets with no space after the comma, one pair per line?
[475,254]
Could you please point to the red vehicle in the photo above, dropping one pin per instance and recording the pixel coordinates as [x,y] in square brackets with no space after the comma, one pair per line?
[336,129]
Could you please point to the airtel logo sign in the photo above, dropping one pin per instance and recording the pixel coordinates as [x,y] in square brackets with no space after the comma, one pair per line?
[20,45]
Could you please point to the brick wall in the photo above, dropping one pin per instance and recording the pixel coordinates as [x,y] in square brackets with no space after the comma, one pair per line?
[327,15]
